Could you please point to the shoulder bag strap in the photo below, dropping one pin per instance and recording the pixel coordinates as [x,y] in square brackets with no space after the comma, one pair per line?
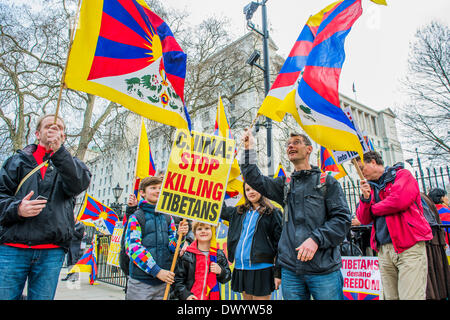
[30,174]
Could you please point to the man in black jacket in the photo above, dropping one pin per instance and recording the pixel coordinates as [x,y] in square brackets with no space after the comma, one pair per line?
[36,212]
[316,220]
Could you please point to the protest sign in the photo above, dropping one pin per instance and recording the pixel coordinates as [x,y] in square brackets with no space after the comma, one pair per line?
[343,156]
[114,245]
[196,178]
[361,278]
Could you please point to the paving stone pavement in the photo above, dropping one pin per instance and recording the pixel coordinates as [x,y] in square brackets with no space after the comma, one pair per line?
[82,290]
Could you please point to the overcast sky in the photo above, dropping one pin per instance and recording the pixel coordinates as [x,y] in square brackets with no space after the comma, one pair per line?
[376,48]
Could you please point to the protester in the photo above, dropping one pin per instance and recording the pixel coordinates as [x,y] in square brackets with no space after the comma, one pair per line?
[150,246]
[35,234]
[199,269]
[440,199]
[391,200]
[253,234]
[75,251]
[316,220]
[438,280]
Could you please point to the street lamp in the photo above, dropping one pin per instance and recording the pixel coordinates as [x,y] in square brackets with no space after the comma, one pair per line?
[116,206]
[249,10]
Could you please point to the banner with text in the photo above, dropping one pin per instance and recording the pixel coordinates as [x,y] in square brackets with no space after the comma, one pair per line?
[114,245]
[343,156]
[196,178]
[361,278]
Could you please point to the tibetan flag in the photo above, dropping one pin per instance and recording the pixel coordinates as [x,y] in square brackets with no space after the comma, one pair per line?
[88,262]
[280,98]
[222,128]
[144,161]
[349,295]
[280,172]
[369,142]
[212,285]
[145,165]
[317,95]
[328,164]
[125,53]
[444,213]
[96,214]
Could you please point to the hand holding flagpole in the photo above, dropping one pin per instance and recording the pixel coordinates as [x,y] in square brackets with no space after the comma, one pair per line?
[181,232]
[63,77]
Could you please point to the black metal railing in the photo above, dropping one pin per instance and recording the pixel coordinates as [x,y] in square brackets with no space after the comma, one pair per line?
[105,272]
[356,243]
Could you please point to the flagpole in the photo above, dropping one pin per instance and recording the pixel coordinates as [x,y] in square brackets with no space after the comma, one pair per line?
[174,261]
[358,169]
[242,141]
[63,77]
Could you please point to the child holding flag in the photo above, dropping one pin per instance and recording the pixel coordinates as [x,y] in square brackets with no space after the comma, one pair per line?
[253,235]
[150,246]
[201,267]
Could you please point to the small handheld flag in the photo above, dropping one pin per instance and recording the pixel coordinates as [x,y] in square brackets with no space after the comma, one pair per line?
[328,164]
[88,262]
[96,214]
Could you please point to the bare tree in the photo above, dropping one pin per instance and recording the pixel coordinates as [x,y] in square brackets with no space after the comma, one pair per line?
[215,66]
[426,117]
[33,52]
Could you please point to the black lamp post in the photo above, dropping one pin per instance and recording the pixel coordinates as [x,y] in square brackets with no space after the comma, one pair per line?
[249,10]
[116,206]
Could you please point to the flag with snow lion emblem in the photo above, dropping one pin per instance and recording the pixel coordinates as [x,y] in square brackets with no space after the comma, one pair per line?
[96,214]
[126,53]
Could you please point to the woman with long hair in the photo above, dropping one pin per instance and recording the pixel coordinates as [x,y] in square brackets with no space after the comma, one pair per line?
[253,234]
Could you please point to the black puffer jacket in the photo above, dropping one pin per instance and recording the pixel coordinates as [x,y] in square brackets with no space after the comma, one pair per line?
[65,178]
[312,212]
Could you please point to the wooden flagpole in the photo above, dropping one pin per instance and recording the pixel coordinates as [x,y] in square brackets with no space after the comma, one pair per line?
[63,77]
[358,169]
[174,261]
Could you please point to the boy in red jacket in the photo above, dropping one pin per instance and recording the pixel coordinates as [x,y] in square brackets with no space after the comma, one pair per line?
[391,201]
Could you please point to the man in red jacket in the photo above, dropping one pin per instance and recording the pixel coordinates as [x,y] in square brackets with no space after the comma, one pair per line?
[391,201]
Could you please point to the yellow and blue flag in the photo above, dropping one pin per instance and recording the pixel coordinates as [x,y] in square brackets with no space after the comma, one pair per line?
[125,53]
[280,98]
[307,86]
[317,95]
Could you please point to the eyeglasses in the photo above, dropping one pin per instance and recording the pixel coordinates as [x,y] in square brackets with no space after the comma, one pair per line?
[294,143]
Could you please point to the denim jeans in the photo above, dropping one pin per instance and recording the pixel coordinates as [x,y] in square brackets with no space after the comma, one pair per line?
[320,287]
[41,267]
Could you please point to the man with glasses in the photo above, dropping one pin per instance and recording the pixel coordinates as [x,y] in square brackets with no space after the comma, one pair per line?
[316,220]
